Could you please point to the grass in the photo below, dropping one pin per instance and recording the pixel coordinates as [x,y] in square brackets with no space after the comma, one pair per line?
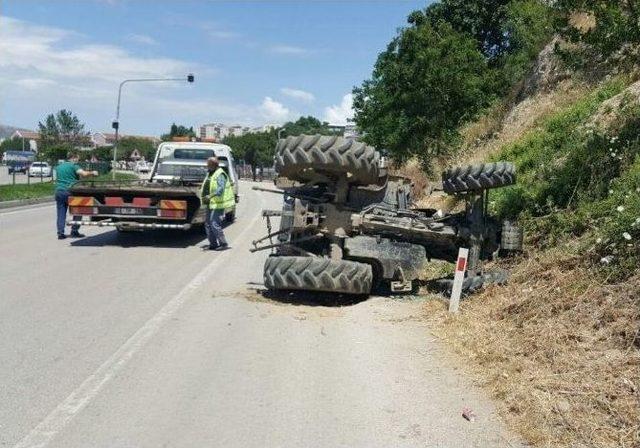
[575,179]
[558,349]
[24,191]
[40,190]
[559,346]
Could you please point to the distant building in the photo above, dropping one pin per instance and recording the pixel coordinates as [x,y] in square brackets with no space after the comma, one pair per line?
[218,131]
[99,139]
[30,139]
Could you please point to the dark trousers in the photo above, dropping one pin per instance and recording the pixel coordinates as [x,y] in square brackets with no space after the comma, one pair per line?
[213,226]
[62,203]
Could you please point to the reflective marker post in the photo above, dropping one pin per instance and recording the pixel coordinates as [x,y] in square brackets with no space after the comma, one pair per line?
[456,291]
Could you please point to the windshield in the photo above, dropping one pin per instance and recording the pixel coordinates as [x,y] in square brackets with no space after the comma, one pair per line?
[193,153]
[38,164]
[185,172]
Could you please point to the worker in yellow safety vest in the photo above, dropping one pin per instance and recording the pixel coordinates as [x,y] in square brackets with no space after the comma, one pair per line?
[217,196]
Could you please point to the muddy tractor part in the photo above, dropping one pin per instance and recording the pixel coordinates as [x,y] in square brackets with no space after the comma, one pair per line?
[348,226]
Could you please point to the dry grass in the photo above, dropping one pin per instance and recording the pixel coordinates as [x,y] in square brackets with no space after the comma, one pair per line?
[582,21]
[414,171]
[558,349]
[485,137]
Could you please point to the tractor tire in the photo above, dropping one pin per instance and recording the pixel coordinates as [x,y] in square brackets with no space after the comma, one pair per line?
[297,158]
[317,274]
[473,284]
[478,177]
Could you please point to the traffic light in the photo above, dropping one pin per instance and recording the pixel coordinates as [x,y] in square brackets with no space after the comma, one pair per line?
[190,77]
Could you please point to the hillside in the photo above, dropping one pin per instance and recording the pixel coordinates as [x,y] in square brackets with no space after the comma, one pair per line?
[552,87]
[559,346]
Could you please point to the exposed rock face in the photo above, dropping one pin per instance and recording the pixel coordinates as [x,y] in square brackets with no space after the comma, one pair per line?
[547,72]
[611,110]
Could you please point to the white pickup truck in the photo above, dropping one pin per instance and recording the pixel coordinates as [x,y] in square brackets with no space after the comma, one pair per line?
[169,199]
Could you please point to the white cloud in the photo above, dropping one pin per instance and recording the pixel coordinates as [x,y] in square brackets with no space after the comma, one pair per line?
[212,29]
[273,111]
[288,50]
[34,83]
[142,39]
[340,113]
[44,69]
[44,50]
[300,95]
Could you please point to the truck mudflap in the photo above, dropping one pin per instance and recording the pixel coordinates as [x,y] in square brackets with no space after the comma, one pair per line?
[129,225]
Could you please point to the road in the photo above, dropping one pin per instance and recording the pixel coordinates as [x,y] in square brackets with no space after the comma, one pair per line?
[146,340]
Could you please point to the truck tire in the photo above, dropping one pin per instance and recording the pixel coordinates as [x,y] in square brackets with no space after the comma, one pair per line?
[297,157]
[478,177]
[317,274]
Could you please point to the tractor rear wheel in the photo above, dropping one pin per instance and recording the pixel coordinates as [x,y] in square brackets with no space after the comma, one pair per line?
[299,158]
[317,274]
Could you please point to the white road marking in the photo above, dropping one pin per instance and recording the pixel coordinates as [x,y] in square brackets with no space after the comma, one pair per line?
[59,418]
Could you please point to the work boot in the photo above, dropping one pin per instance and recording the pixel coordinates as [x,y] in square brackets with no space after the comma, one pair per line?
[76,234]
[61,236]
[212,247]
[221,247]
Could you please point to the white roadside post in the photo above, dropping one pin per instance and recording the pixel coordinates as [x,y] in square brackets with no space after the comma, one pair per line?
[456,291]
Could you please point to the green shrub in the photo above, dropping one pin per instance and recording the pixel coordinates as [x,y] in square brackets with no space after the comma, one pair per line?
[575,181]
[553,162]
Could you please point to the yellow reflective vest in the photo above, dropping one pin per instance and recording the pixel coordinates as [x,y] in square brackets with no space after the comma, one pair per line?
[226,200]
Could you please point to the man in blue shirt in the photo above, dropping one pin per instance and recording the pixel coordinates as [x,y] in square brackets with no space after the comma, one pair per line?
[67,174]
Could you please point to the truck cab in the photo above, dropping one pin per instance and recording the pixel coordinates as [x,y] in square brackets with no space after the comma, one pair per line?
[186,162]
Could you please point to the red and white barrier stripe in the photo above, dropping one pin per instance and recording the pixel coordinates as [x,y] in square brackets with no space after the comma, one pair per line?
[456,291]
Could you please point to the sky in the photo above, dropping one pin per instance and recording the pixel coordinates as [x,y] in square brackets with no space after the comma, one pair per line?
[255,63]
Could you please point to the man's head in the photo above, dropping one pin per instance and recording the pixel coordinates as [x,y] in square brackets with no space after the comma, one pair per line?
[212,163]
[72,156]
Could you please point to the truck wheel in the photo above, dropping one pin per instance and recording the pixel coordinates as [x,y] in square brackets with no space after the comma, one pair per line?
[478,177]
[298,157]
[317,274]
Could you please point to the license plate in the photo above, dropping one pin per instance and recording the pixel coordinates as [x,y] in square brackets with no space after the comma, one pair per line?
[131,211]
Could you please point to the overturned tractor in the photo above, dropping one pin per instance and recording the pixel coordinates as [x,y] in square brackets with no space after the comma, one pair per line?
[348,226]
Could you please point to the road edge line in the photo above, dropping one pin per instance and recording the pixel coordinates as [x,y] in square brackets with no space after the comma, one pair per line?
[59,418]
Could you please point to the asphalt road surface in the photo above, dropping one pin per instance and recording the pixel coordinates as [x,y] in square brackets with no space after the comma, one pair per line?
[146,340]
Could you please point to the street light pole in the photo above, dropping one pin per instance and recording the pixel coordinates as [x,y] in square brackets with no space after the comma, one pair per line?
[116,123]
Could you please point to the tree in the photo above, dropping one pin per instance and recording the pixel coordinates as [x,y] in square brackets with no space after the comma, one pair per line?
[256,149]
[430,80]
[453,59]
[63,128]
[605,25]
[482,20]
[306,125]
[14,144]
[178,131]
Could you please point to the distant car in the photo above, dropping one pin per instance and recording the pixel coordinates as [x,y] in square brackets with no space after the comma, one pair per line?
[19,167]
[40,169]
[142,167]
